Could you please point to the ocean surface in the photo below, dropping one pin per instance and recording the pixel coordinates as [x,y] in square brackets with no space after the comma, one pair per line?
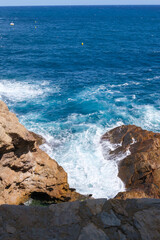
[73,93]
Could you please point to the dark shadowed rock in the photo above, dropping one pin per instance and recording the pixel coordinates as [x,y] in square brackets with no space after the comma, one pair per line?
[132,219]
[140,170]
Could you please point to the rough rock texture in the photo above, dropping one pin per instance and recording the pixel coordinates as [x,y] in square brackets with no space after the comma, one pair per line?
[132,219]
[25,170]
[140,171]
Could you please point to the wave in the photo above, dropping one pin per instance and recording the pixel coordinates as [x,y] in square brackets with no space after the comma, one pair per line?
[123,99]
[14,90]
[76,145]
[150,117]
[74,139]
[82,157]
[124,84]
[153,78]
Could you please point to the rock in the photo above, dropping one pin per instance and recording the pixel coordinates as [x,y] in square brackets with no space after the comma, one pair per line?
[95,207]
[25,170]
[65,213]
[131,219]
[39,139]
[140,169]
[91,232]
[145,218]
[10,229]
[110,219]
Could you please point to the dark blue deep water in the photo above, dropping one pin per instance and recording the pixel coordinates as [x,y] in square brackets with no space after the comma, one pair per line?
[72,94]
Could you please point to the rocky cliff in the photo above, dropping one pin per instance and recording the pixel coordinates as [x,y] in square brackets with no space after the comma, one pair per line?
[89,220]
[140,168]
[25,170]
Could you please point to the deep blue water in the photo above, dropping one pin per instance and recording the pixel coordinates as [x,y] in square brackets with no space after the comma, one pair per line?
[72,94]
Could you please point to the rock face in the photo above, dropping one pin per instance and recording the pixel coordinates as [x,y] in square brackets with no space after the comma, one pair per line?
[140,170]
[132,219]
[25,170]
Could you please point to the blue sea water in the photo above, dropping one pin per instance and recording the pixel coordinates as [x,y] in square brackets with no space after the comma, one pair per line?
[73,94]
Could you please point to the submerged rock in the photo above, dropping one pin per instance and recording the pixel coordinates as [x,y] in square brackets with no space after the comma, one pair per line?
[140,169]
[132,219]
[25,170]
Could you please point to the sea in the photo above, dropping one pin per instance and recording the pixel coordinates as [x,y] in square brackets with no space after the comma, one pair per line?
[73,73]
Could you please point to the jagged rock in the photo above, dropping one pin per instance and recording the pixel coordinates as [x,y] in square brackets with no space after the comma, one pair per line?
[134,219]
[39,139]
[140,170]
[25,170]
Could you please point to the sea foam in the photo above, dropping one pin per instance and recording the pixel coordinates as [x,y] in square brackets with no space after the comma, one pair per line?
[24,90]
[89,170]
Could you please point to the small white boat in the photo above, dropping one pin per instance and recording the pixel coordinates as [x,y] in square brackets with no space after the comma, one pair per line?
[12,24]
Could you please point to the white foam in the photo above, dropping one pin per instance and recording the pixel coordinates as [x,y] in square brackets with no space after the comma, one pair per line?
[134,96]
[81,155]
[153,78]
[123,99]
[124,84]
[22,90]
[149,117]
[123,74]
[133,141]
[107,148]
[119,85]
[93,93]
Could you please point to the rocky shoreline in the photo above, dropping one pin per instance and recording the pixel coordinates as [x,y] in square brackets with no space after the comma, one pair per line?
[140,169]
[26,171]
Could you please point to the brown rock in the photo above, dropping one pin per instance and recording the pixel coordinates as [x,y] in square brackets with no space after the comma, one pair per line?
[140,171]
[39,139]
[25,170]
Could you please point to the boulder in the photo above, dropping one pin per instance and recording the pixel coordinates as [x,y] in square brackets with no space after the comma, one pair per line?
[94,219]
[140,167]
[25,170]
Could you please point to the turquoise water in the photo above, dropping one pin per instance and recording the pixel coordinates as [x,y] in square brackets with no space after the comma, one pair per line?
[73,94]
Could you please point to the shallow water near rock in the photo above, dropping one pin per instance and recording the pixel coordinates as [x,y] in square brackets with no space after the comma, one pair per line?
[72,94]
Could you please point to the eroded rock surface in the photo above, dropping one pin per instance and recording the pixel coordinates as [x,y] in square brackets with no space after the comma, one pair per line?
[140,170]
[132,219]
[25,169]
